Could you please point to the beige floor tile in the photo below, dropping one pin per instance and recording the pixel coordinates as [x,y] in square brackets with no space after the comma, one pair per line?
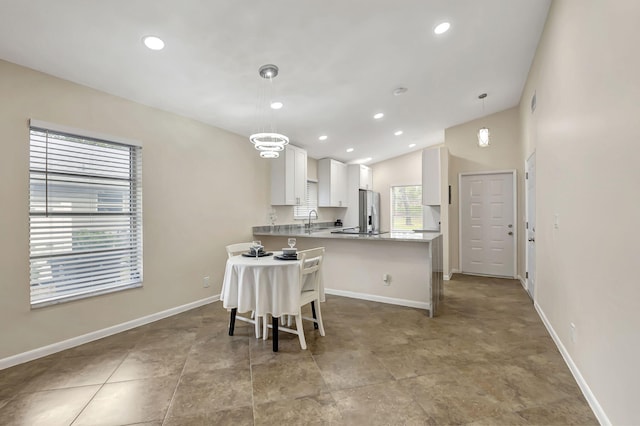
[242,416]
[123,403]
[286,380]
[202,394]
[351,369]
[47,408]
[380,404]
[144,364]
[308,410]
[568,411]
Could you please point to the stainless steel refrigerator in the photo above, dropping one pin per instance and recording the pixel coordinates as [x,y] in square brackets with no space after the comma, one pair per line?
[369,218]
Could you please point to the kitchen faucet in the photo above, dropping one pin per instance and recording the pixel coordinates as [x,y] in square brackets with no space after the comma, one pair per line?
[316,213]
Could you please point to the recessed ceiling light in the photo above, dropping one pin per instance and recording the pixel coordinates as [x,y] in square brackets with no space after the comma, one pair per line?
[378,116]
[442,28]
[412,145]
[398,132]
[323,137]
[349,149]
[276,105]
[153,42]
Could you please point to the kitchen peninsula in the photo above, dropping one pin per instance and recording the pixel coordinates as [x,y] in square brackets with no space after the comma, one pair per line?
[356,265]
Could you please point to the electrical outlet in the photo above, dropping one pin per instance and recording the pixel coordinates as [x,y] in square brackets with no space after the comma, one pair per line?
[205,282]
[574,335]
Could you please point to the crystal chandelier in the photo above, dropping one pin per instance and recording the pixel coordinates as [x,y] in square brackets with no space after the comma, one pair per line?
[268,141]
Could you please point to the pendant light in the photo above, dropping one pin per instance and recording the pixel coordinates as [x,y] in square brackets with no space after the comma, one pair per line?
[268,141]
[483,133]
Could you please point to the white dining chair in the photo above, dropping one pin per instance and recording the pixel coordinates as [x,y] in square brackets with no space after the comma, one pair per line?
[310,269]
[234,250]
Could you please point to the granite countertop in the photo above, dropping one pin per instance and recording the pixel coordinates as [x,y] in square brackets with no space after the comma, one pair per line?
[323,230]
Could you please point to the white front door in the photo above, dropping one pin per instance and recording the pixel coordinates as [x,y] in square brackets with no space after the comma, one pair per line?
[487,228]
[531,223]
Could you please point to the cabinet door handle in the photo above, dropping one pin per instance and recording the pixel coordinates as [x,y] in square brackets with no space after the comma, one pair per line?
[510,233]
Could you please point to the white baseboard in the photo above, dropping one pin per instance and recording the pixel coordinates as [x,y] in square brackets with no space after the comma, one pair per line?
[99,334]
[523,282]
[381,299]
[448,277]
[584,387]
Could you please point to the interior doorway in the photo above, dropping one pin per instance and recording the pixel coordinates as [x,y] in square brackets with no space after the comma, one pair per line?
[488,233]
[530,225]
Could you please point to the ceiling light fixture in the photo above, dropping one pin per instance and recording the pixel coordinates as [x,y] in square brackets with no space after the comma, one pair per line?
[362,160]
[398,132]
[323,137]
[268,141]
[442,28]
[412,145]
[349,149]
[483,133]
[378,116]
[153,42]
[276,105]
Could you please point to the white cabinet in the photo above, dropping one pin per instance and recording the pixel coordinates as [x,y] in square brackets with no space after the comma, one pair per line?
[366,177]
[434,176]
[360,176]
[289,177]
[332,183]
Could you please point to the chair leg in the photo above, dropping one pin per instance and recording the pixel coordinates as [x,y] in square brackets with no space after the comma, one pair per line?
[265,329]
[313,314]
[319,319]
[257,326]
[275,333]
[232,321]
[300,328]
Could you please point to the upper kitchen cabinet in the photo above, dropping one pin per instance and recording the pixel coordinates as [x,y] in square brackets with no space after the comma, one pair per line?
[435,163]
[289,177]
[361,174]
[332,183]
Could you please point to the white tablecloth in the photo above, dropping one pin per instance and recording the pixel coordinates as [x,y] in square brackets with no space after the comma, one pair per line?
[265,285]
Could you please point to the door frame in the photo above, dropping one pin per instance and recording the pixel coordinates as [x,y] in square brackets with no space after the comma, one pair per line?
[514,174]
[526,218]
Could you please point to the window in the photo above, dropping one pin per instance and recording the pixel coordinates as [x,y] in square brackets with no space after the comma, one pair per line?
[85,215]
[406,208]
[311,202]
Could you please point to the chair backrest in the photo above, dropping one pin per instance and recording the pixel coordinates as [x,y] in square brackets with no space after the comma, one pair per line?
[310,268]
[235,249]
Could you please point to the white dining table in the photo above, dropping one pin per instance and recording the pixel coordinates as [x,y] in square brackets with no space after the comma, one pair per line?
[265,285]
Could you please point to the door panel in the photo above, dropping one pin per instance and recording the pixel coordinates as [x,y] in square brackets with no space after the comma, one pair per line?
[486,221]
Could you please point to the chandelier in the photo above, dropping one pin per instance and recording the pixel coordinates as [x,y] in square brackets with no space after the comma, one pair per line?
[268,141]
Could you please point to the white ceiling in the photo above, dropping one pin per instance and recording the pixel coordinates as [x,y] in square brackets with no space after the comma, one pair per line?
[339,61]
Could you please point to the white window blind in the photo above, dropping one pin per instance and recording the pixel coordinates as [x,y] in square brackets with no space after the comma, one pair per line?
[310,203]
[85,216]
[406,208]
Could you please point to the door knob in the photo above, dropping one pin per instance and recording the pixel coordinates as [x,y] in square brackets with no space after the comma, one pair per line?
[532,240]
[510,226]
[510,233]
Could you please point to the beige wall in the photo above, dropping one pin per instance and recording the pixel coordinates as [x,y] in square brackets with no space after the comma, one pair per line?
[504,153]
[203,188]
[585,131]
[403,170]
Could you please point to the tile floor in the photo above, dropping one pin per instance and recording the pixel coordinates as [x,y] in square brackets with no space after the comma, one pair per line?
[486,360]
